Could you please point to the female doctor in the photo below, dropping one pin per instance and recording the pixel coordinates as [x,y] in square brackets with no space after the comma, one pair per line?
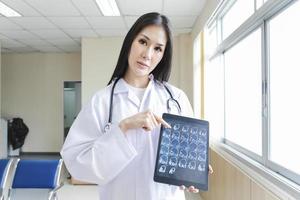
[113,141]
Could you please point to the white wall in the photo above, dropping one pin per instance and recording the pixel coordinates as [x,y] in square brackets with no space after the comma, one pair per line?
[183,64]
[32,84]
[32,88]
[99,58]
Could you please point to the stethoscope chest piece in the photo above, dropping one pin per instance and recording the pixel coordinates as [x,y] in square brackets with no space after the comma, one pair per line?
[107,127]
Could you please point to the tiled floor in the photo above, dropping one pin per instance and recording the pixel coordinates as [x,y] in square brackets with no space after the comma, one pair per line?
[78,192]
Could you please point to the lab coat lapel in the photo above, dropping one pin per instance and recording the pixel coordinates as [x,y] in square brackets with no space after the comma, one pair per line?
[147,98]
[122,87]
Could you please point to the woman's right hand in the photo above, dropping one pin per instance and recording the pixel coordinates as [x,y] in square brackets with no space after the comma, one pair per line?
[146,120]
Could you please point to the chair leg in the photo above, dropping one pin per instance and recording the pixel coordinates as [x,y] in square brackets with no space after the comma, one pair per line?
[53,196]
[9,194]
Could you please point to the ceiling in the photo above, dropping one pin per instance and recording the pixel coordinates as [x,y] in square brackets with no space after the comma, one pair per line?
[59,25]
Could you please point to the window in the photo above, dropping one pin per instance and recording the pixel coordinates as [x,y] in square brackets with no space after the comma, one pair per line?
[243,93]
[212,41]
[259,3]
[214,83]
[214,95]
[236,15]
[285,88]
[252,84]
[197,73]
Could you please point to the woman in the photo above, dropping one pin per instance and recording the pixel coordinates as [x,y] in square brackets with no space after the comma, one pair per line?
[120,157]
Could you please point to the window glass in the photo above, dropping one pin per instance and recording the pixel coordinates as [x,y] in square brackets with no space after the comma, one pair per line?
[211,40]
[259,3]
[237,14]
[285,88]
[214,97]
[197,75]
[243,93]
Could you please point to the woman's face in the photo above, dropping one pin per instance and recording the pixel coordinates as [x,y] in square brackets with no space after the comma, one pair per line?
[147,50]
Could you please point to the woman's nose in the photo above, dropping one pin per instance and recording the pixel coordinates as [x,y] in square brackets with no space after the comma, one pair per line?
[147,54]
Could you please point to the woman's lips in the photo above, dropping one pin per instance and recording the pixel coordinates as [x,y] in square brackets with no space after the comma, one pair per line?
[144,65]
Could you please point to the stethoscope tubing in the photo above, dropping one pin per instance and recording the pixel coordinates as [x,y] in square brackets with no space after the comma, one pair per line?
[107,126]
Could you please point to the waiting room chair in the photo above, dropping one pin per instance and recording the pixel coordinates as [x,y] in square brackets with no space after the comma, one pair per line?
[5,165]
[36,179]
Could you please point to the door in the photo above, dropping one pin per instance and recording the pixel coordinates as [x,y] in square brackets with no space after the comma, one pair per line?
[72,103]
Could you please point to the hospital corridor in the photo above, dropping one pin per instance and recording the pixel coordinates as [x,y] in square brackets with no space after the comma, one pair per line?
[149,100]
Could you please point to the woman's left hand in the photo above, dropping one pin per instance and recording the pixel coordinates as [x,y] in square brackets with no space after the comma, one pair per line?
[192,188]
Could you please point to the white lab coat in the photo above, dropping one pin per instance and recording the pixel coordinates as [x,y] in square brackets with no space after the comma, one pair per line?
[121,164]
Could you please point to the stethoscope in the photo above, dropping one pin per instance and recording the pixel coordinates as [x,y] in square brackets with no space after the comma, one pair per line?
[171,99]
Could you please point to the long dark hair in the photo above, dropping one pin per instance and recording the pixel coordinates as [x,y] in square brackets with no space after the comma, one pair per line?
[163,69]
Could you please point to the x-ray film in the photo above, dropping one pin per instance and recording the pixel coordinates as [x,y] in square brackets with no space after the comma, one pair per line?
[182,155]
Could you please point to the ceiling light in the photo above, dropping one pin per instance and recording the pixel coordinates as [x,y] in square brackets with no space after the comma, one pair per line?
[7,11]
[108,7]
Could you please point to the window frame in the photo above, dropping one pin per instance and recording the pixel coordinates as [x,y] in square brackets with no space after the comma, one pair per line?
[283,178]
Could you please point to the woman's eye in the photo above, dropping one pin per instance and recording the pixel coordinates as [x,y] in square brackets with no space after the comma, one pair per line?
[143,42]
[158,49]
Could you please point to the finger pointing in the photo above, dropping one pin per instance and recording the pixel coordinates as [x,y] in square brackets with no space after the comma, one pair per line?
[163,122]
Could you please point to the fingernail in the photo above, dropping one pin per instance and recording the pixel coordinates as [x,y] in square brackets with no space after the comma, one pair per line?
[168,125]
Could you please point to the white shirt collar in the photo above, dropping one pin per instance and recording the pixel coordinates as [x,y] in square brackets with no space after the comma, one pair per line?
[121,85]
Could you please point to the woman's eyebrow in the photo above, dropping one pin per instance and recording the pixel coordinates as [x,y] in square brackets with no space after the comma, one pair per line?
[145,36]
